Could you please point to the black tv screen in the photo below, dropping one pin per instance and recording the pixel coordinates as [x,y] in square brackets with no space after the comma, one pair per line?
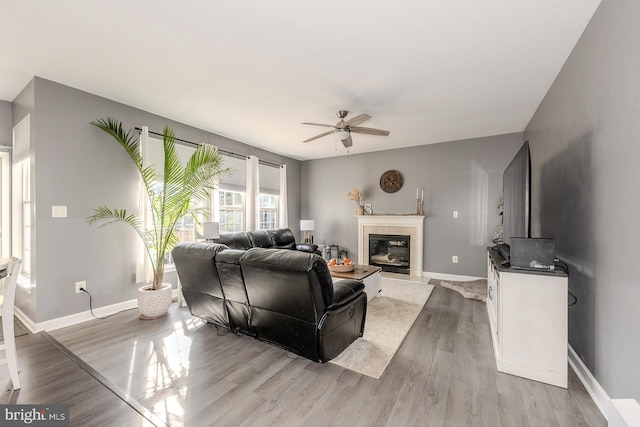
[516,183]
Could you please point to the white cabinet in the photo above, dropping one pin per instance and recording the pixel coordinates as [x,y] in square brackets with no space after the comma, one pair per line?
[528,319]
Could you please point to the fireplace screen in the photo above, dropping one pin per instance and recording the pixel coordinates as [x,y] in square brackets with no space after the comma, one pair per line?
[391,252]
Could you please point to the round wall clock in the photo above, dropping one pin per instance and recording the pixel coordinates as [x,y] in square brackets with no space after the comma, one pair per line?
[391,181]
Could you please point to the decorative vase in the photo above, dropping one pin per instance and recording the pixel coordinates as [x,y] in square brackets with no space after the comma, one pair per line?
[154,303]
[360,210]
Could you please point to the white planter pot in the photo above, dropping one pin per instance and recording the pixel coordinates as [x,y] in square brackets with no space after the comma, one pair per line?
[154,303]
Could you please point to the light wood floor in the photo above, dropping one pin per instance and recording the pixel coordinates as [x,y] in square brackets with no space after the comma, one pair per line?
[181,370]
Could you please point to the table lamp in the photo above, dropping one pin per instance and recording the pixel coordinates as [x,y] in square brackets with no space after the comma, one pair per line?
[307,226]
[210,230]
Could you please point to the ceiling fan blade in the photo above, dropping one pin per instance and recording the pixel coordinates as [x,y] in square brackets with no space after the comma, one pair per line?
[318,124]
[318,136]
[369,131]
[358,120]
[347,142]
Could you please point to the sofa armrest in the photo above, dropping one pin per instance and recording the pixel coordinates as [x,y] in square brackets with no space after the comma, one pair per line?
[345,290]
[307,247]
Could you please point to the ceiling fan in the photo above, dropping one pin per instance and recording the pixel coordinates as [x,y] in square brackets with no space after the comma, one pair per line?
[343,128]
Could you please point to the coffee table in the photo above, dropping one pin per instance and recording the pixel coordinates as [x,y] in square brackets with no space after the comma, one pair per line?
[369,275]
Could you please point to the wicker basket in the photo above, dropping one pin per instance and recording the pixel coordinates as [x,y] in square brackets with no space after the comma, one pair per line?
[342,268]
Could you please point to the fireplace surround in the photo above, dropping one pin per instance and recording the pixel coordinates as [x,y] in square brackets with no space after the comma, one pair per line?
[405,225]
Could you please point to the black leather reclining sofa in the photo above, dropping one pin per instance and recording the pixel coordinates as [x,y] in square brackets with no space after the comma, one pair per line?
[277,292]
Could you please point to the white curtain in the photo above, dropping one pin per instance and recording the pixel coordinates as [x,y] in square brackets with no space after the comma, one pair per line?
[144,272]
[252,210]
[283,220]
[214,207]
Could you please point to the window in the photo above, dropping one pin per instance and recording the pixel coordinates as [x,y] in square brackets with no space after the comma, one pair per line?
[268,211]
[5,213]
[231,206]
[185,229]
[21,206]
[26,217]
[22,214]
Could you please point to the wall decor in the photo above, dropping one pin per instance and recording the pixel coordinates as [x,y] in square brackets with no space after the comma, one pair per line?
[391,181]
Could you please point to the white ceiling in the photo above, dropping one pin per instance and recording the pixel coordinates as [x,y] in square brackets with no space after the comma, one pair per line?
[427,70]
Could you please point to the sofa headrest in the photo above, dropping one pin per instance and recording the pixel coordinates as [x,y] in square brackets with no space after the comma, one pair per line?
[282,238]
[260,239]
[237,240]
[280,260]
[230,256]
[207,250]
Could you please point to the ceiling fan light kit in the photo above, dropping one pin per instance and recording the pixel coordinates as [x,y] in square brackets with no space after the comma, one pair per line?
[343,129]
[343,134]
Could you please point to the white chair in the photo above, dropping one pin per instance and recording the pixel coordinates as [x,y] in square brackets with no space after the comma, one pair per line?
[7,300]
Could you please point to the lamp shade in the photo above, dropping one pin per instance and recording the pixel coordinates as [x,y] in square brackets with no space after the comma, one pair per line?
[307,225]
[211,230]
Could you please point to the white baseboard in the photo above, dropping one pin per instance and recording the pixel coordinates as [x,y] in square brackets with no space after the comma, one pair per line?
[624,413]
[26,321]
[618,412]
[589,382]
[74,319]
[454,277]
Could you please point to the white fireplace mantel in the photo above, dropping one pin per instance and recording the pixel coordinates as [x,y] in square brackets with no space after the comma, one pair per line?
[411,225]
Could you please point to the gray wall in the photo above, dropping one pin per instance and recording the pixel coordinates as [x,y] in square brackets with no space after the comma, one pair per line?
[461,175]
[81,167]
[5,124]
[585,142]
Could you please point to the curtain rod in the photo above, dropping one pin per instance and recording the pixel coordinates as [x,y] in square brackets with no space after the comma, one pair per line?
[228,153]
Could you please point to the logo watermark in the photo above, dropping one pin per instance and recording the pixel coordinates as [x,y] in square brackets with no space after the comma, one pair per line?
[34,415]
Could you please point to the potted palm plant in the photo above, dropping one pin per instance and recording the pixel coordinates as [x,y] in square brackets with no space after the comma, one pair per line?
[171,196]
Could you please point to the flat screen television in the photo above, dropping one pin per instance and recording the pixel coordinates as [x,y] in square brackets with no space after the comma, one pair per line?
[516,181]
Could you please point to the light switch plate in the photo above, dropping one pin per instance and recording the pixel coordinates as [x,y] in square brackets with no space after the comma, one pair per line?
[59,211]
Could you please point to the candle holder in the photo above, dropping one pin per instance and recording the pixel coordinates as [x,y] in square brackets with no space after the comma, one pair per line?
[419,203]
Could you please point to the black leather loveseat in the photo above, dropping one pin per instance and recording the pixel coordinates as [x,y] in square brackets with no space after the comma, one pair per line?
[281,296]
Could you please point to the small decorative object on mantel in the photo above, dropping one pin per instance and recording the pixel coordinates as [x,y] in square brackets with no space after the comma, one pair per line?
[419,203]
[368,210]
[391,181]
[356,195]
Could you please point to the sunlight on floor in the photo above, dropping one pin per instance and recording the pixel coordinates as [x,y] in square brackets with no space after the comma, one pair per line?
[167,370]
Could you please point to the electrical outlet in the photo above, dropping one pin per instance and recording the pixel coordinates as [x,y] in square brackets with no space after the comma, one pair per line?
[454,259]
[455,214]
[81,285]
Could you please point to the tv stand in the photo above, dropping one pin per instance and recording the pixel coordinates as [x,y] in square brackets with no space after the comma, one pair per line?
[528,319]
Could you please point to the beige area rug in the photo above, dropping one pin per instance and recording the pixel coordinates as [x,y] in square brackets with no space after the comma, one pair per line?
[475,289]
[390,315]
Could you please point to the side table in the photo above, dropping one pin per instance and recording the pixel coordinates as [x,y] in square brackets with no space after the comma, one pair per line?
[367,274]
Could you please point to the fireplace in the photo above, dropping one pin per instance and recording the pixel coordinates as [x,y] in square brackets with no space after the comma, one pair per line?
[397,225]
[391,252]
